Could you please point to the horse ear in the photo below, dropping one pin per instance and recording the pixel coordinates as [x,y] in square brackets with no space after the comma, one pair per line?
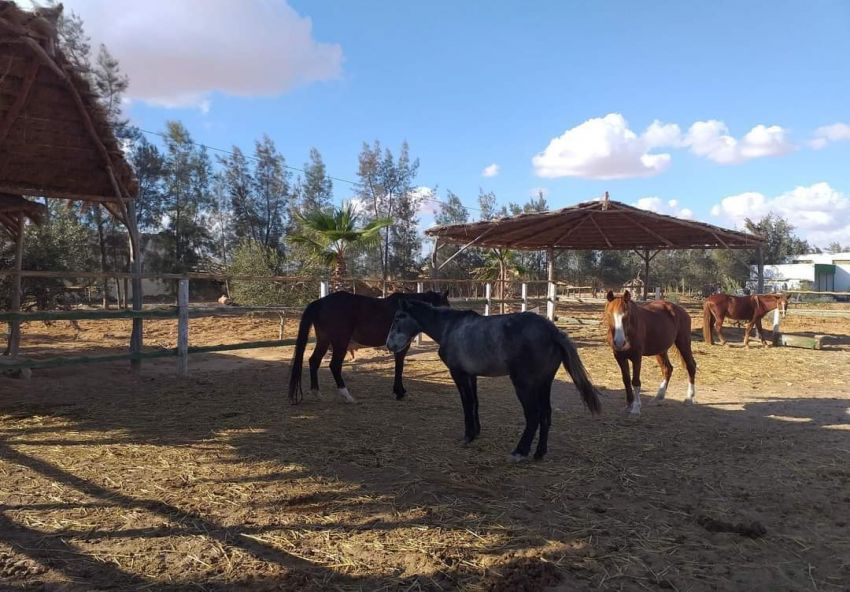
[446,294]
[627,296]
[403,304]
[610,295]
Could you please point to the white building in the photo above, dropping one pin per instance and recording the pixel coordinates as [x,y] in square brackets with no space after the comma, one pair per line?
[821,272]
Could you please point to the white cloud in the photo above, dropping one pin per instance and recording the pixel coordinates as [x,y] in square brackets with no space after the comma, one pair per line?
[177,53]
[661,206]
[819,213]
[836,132]
[605,148]
[491,170]
[425,200]
[711,139]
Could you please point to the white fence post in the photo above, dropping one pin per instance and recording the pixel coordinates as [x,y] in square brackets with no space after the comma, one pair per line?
[657,293]
[323,289]
[488,288]
[420,287]
[550,301]
[183,327]
[777,336]
[524,297]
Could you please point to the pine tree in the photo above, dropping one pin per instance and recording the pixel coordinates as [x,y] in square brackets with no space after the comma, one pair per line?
[316,191]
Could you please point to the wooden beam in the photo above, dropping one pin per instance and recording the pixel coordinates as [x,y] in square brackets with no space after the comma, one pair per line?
[572,229]
[20,101]
[630,217]
[601,233]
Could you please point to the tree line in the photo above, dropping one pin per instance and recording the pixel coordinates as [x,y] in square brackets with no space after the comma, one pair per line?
[252,213]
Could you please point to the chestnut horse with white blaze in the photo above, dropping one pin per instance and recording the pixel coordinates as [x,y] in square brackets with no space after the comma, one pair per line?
[649,329]
[741,308]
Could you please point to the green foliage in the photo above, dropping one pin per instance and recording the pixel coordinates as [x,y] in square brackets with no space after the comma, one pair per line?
[251,258]
[781,242]
[62,243]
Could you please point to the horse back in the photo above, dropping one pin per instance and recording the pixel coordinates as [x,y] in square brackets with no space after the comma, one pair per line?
[363,319]
[663,323]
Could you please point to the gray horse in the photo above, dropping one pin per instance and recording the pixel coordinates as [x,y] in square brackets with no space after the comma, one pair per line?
[524,346]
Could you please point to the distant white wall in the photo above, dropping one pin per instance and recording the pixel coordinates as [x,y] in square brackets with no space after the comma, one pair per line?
[788,276]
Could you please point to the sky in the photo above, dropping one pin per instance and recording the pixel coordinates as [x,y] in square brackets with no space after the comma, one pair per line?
[713,111]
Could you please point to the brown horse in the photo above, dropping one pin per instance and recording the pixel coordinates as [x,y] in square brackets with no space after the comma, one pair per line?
[742,308]
[650,329]
[346,321]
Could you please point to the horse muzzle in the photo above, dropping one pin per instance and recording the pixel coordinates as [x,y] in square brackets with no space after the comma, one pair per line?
[395,343]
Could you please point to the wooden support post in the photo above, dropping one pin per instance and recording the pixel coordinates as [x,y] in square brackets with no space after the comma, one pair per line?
[15,326]
[419,289]
[646,274]
[488,288]
[760,285]
[183,327]
[552,288]
[323,289]
[657,292]
[524,297]
[136,337]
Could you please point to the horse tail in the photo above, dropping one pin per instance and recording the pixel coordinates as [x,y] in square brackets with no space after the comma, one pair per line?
[296,394]
[707,322]
[575,368]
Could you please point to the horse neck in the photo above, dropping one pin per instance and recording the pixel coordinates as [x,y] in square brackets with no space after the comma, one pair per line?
[432,320]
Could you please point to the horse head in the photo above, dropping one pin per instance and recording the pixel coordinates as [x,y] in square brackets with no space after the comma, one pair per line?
[618,317]
[404,327]
[782,303]
[436,298]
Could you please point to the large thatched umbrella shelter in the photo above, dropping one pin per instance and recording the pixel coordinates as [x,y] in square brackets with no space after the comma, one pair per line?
[55,140]
[595,225]
[14,213]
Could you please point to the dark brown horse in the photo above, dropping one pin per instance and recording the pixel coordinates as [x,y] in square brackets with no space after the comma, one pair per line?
[650,329]
[346,321]
[741,308]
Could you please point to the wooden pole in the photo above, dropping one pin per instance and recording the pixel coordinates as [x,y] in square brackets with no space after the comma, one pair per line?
[524,297]
[183,327]
[487,296]
[551,286]
[646,274]
[760,286]
[15,326]
[136,339]
[419,289]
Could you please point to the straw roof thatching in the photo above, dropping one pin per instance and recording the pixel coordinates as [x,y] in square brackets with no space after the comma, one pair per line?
[13,205]
[55,140]
[604,225]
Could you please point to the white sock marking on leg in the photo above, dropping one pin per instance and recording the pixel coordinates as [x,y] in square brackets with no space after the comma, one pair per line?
[346,396]
[691,392]
[635,410]
[662,391]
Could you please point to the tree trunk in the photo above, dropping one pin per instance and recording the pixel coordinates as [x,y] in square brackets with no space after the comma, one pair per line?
[338,274]
[101,238]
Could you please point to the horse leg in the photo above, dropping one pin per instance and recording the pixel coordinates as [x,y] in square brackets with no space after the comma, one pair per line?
[545,410]
[760,332]
[322,345]
[636,362]
[666,372]
[627,383]
[528,397]
[683,344]
[473,380]
[718,326]
[337,358]
[747,329]
[464,387]
[398,387]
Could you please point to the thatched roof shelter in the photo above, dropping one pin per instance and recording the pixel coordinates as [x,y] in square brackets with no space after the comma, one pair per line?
[13,208]
[55,139]
[595,225]
[602,224]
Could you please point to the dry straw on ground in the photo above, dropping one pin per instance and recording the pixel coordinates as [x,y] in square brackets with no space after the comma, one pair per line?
[214,482]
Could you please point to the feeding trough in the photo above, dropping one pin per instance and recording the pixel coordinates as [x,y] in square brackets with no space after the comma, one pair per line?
[815,342]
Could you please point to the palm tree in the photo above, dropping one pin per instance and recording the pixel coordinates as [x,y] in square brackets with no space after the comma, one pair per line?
[500,265]
[329,236]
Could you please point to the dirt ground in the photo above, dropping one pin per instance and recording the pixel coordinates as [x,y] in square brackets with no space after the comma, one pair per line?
[113,481]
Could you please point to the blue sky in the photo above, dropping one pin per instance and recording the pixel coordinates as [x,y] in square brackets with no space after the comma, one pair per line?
[750,98]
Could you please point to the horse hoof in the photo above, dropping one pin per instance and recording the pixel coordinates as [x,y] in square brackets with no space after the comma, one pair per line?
[538,456]
[399,396]
[634,412]
[316,394]
[658,400]
[346,396]
[516,457]
[690,401]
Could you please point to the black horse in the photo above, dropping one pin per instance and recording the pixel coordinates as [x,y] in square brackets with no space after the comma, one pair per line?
[524,346]
[346,321]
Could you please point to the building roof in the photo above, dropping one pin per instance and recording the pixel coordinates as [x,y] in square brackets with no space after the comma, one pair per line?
[13,205]
[55,140]
[601,224]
